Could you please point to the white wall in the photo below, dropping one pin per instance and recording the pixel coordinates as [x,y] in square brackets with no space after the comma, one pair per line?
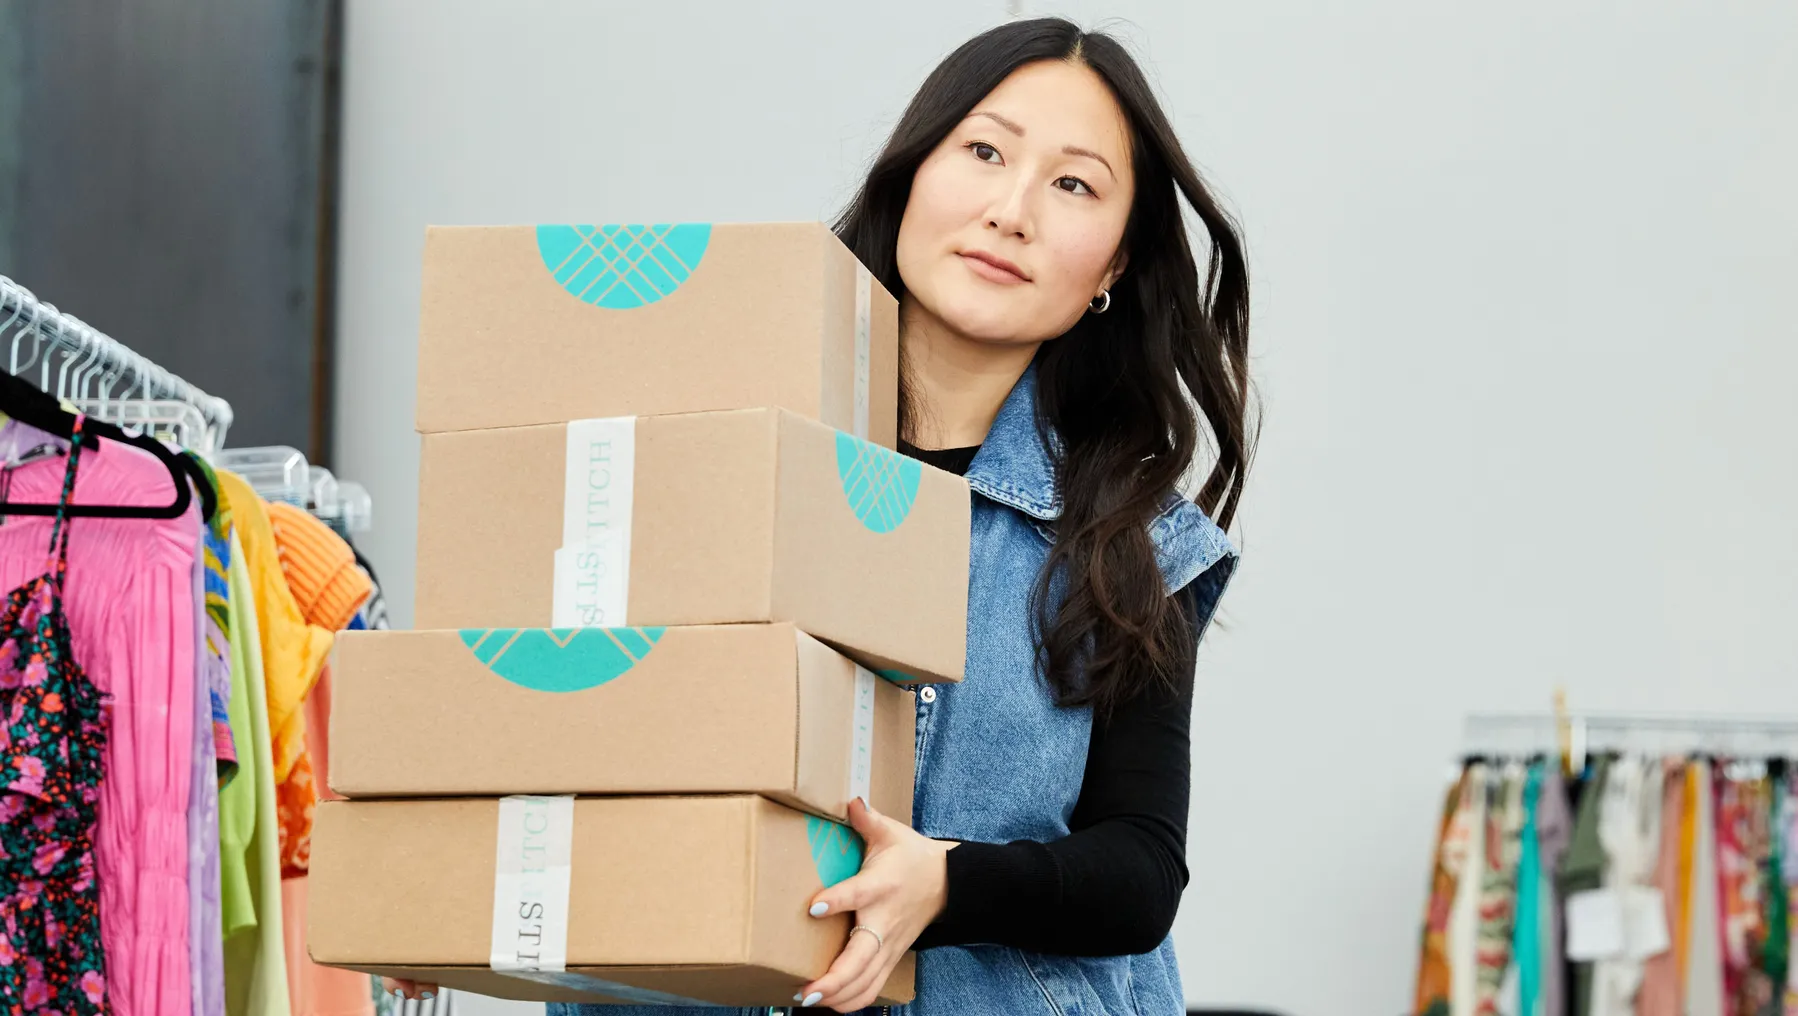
[1523,280]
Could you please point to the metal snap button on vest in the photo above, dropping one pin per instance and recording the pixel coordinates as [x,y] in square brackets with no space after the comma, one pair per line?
[928,694]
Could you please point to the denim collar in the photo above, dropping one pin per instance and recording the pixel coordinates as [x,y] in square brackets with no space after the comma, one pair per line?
[1013,467]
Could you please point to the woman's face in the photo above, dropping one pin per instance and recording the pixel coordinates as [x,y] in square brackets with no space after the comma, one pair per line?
[1015,219]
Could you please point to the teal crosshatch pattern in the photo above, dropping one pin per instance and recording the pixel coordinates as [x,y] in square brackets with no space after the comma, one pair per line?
[560,659]
[621,267]
[880,483]
[836,849]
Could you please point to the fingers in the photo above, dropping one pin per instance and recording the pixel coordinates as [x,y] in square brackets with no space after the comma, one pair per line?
[416,990]
[872,825]
[848,970]
[862,992]
[852,893]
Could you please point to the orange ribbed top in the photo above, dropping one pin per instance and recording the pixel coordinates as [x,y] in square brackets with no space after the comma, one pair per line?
[320,567]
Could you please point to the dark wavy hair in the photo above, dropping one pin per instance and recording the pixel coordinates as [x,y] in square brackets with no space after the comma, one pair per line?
[1115,388]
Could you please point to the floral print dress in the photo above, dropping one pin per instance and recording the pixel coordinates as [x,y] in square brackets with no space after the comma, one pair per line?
[53,726]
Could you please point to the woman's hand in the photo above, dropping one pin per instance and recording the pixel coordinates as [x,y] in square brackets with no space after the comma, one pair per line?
[902,887]
[415,990]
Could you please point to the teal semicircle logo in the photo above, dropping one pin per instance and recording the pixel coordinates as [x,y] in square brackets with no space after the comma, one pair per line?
[836,849]
[880,483]
[560,659]
[620,267]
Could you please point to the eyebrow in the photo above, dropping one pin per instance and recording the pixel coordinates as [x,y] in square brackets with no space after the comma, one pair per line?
[1089,153]
[1018,129]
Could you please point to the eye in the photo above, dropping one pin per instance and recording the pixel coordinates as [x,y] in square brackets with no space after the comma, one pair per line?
[1075,185]
[984,152]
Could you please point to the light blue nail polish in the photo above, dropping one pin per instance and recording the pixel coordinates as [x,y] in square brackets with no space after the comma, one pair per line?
[426,996]
[798,998]
[819,909]
[812,999]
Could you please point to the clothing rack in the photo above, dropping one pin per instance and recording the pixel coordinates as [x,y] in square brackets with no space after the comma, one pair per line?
[94,369]
[1581,734]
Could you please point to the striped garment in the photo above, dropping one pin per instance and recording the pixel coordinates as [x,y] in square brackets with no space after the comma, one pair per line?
[216,546]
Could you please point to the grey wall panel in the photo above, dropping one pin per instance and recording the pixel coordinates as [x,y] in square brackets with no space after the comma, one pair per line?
[163,177]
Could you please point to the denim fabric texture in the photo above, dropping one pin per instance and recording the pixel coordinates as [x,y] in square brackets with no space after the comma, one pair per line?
[999,761]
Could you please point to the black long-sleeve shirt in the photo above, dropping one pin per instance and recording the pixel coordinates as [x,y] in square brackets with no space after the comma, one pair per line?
[1112,885]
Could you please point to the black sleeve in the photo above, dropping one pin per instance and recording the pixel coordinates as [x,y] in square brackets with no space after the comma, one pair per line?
[1111,887]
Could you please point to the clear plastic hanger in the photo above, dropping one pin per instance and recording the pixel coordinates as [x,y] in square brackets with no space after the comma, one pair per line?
[276,472]
[357,508]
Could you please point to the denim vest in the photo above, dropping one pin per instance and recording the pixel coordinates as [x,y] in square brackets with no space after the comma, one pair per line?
[998,760]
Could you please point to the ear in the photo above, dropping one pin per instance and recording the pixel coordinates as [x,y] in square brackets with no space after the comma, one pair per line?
[1116,270]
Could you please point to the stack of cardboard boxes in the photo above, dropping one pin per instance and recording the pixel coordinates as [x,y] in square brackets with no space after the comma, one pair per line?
[669,572]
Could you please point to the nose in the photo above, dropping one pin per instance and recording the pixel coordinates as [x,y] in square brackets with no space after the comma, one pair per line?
[1012,212]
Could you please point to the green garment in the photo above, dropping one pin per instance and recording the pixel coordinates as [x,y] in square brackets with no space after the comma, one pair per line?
[1583,869]
[255,959]
[237,800]
[1777,956]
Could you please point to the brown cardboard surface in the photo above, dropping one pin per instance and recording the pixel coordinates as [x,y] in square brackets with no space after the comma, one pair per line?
[744,708]
[766,318]
[703,897]
[738,516]
[745,985]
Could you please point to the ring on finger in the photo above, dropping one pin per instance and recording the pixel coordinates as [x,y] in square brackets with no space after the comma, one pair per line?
[879,941]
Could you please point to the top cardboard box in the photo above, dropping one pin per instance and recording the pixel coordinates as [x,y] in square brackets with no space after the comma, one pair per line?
[525,325]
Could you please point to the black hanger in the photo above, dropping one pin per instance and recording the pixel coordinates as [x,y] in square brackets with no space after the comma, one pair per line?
[28,404]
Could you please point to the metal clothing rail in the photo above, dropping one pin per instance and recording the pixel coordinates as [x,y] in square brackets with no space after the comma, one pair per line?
[74,360]
[1580,734]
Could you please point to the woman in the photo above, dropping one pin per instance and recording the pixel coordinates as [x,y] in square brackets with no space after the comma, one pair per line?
[1027,213]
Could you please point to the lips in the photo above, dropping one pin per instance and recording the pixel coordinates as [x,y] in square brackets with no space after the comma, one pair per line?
[994,267]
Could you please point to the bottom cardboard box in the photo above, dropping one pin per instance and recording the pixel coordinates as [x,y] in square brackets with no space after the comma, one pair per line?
[700,900]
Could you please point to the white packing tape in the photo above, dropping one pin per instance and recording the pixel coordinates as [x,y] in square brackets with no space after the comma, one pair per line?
[593,566]
[530,884]
[864,311]
[531,877]
[861,741]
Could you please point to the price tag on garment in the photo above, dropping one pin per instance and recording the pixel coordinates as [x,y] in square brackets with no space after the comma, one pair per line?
[1644,922]
[1595,925]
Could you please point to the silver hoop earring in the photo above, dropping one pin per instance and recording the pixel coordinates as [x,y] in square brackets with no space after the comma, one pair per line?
[1101,303]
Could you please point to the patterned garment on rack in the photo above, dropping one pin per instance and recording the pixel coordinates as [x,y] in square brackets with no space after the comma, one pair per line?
[216,549]
[1742,851]
[1788,834]
[53,727]
[1433,975]
[1498,885]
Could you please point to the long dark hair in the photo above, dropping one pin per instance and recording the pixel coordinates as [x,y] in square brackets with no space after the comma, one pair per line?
[1114,388]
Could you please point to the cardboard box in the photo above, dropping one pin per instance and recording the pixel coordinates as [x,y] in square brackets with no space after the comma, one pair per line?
[739,708]
[697,899]
[703,518]
[522,325]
